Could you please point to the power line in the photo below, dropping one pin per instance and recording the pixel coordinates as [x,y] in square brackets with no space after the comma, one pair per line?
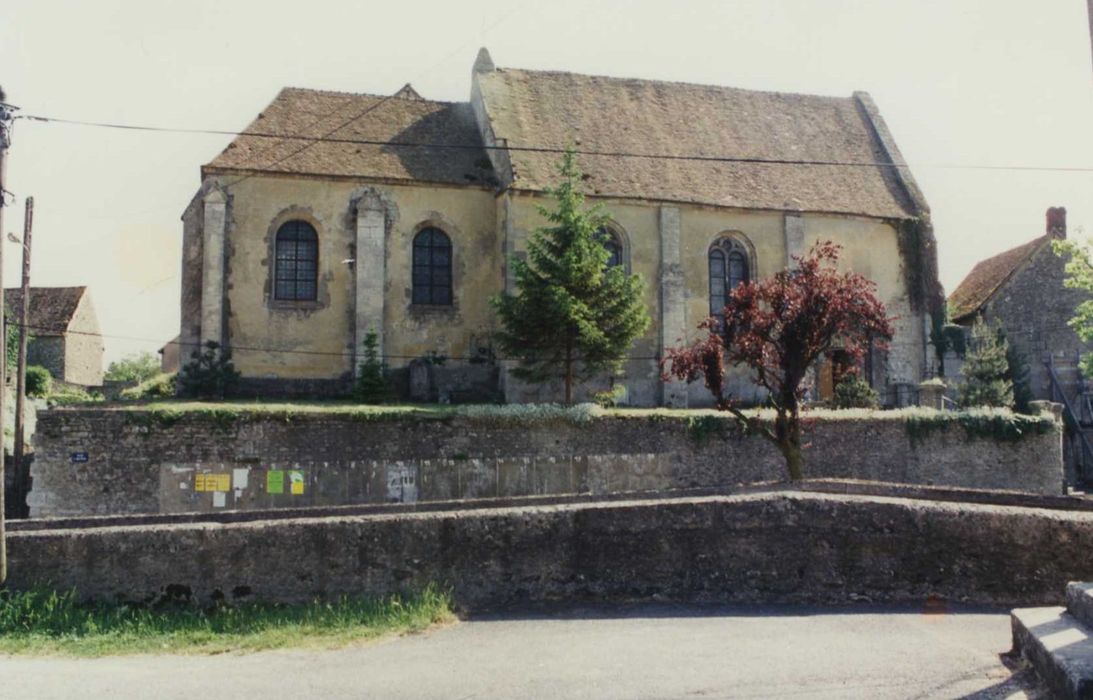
[552,150]
[275,351]
[362,113]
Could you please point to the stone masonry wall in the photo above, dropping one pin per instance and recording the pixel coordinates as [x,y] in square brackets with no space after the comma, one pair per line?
[103,461]
[769,547]
[1034,307]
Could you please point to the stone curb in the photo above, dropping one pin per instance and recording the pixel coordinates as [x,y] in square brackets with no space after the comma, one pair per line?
[1059,647]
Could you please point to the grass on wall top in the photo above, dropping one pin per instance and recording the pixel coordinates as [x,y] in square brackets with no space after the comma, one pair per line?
[920,423]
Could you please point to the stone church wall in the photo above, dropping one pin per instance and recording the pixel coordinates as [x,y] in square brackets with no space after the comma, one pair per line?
[311,348]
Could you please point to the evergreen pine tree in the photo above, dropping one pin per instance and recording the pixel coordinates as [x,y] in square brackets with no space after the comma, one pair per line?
[371,386]
[572,316]
[1017,372]
[985,370]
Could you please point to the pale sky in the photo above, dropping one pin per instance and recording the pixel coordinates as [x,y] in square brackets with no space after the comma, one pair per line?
[959,82]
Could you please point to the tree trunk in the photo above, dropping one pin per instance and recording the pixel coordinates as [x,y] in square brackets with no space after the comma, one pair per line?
[787,431]
[794,460]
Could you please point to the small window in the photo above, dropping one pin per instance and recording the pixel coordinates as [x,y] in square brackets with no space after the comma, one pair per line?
[728,262]
[611,242]
[432,268]
[296,274]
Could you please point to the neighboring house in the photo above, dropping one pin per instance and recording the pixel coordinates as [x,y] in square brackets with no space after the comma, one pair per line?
[65,335]
[399,213]
[1022,290]
[169,358]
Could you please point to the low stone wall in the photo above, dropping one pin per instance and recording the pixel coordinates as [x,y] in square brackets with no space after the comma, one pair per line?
[760,547]
[103,461]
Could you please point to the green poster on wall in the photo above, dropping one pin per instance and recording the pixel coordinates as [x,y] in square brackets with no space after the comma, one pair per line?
[275,481]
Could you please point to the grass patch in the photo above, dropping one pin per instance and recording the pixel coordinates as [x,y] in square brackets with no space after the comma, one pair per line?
[43,621]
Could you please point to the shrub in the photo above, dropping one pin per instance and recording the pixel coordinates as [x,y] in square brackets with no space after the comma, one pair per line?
[854,392]
[162,386]
[73,395]
[140,368]
[39,381]
[371,385]
[209,374]
[610,398]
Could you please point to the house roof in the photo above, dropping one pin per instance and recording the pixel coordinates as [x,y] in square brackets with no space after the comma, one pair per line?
[618,115]
[988,276]
[345,118]
[51,308]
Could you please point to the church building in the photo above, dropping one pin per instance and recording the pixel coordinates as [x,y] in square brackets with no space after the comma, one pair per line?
[336,214]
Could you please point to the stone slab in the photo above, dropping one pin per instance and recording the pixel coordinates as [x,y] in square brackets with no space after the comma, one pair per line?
[1079,601]
[1059,647]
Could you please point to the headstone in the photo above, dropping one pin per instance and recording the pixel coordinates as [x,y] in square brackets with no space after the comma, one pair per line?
[421,380]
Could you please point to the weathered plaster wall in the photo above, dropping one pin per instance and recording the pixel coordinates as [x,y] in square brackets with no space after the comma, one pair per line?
[83,346]
[137,462]
[774,547]
[870,246]
[315,340]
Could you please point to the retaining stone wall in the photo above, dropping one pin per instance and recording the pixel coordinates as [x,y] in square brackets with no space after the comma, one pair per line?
[768,547]
[135,463]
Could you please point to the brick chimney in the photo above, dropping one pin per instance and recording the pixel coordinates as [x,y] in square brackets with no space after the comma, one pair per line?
[1056,223]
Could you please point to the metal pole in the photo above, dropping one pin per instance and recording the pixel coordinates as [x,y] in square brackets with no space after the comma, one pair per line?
[1090,7]
[5,140]
[22,474]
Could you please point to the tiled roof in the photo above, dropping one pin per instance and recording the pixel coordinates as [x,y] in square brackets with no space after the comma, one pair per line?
[987,277]
[537,109]
[341,117]
[51,308]
[553,109]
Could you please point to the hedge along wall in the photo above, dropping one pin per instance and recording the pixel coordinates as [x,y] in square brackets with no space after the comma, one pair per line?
[114,461]
[767,547]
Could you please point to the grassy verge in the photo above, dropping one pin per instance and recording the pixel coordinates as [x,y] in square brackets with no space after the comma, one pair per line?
[46,622]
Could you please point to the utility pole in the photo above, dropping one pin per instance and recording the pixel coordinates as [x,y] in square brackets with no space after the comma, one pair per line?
[5,141]
[22,474]
[1089,3]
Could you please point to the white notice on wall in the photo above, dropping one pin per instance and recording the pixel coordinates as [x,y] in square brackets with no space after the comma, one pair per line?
[219,499]
[239,478]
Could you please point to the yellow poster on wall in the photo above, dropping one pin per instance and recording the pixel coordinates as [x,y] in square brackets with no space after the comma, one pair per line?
[204,483]
[296,481]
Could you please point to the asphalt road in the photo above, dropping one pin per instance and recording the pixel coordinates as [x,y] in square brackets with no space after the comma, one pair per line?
[657,651]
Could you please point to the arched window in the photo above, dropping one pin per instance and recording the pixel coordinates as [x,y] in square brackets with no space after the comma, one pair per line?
[728,269]
[432,267]
[611,241]
[296,274]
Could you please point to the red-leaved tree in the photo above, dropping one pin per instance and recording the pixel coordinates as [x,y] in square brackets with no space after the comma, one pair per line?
[779,327]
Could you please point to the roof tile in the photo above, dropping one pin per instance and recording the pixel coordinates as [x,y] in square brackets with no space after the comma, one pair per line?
[51,308]
[987,277]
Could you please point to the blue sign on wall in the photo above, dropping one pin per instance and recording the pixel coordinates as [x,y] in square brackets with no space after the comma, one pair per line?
[79,457]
